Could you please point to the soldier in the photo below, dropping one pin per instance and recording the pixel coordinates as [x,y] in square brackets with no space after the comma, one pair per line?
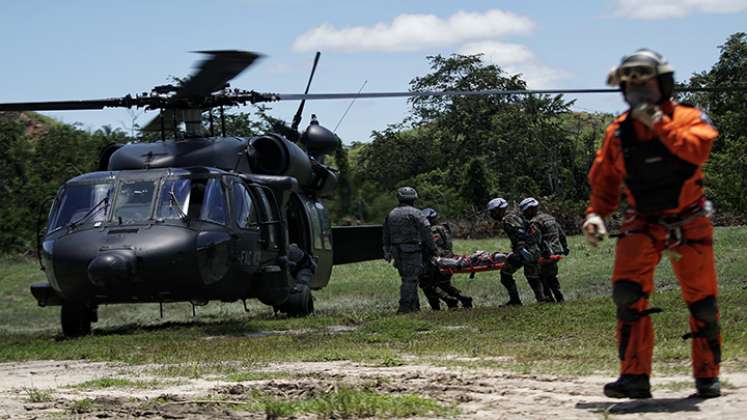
[655,153]
[436,285]
[301,265]
[407,239]
[524,251]
[551,239]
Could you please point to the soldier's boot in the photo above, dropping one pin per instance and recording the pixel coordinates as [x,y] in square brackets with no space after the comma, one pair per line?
[629,386]
[536,285]
[434,302]
[553,289]
[558,295]
[508,282]
[466,301]
[451,302]
[707,387]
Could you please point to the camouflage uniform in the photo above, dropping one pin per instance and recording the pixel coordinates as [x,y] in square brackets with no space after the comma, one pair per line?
[524,252]
[551,239]
[407,239]
[436,285]
[301,265]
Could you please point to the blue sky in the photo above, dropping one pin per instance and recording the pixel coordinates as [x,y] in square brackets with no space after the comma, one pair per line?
[53,50]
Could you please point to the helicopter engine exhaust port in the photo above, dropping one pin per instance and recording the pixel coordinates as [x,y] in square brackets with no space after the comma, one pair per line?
[276,156]
[112,269]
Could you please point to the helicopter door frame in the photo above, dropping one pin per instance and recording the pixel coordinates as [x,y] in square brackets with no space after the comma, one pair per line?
[321,239]
[246,238]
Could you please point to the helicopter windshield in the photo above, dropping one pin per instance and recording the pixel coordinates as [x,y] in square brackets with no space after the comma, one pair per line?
[81,203]
[174,200]
[134,201]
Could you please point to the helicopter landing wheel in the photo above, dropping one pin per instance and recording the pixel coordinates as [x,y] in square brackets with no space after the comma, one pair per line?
[299,303]
[76,319]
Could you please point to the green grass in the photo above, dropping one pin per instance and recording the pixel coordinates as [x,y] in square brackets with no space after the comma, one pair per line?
[36,395]
[349,402]
[574,338]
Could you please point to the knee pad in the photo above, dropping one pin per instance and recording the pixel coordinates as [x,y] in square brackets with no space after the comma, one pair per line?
[625,293]
[705,311]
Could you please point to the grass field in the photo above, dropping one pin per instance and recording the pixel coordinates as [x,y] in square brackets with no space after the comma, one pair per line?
[355,321]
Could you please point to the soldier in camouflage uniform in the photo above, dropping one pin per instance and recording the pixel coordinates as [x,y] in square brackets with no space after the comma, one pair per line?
[524,252]
[436,285]
[551,239]
[301,265]
[407,239]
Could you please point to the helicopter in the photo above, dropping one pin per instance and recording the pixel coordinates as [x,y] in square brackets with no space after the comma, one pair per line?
[197,217]
[203,216]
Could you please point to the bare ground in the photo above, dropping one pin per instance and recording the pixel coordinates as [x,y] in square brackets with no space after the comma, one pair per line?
[476,392]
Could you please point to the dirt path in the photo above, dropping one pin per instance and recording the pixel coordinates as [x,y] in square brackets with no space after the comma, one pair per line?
[478,393]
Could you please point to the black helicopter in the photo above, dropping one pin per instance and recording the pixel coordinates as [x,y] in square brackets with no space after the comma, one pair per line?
[202,217]
[198,217]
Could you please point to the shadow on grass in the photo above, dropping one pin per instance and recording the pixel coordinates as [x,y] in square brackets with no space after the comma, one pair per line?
[233,328]
[653,405]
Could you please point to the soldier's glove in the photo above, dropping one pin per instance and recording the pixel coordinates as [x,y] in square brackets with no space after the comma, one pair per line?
[566,251]
[594,229]
[648,114]
[387,257]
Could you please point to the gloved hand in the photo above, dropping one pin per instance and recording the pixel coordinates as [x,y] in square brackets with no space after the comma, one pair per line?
[387,256]
[648,114]
[594,229]
[566,251]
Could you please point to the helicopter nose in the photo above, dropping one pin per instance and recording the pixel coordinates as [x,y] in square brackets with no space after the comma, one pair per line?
[111,268]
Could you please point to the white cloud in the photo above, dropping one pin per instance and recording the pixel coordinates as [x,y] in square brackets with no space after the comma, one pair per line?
[410,32]
[665,9]
[516,58]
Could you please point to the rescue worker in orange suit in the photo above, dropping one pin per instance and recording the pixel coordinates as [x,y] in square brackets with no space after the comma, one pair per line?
[656,151]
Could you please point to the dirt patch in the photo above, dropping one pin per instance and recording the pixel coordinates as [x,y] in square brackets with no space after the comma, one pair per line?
[476,392]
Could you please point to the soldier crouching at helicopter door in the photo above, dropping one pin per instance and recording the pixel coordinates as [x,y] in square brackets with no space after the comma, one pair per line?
[407,239]
[551,239]
[436,285]
[301,265]
[524,251]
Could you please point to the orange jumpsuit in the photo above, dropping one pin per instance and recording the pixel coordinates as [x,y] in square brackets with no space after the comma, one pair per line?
[688,135]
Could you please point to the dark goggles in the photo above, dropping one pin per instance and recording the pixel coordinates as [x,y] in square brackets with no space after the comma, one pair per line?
[637,72]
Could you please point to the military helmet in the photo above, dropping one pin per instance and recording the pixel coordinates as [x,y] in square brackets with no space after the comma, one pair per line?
[642,65]
[497,203]
[528,203]
[430,214]
[407,194]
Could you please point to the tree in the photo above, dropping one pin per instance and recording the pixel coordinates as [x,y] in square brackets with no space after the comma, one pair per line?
[727,170]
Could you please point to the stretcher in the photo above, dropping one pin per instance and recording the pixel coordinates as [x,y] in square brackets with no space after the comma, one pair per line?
[479,261]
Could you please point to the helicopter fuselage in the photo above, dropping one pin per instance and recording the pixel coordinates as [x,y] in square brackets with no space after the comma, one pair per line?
[187,220]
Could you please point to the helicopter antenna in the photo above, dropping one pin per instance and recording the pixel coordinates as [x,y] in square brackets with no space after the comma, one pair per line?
[297,117]
[349,106]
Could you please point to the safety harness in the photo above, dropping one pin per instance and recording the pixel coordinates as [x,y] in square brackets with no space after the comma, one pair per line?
[673,225]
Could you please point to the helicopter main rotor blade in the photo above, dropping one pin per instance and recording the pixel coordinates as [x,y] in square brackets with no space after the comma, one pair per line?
[214,72]
[65,105]
[486,92]
[416,94]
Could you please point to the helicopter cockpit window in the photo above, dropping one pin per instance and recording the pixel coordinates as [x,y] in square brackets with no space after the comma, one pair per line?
[244,212]
[174,199]
[134,201]
[214,203]
[81,203]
